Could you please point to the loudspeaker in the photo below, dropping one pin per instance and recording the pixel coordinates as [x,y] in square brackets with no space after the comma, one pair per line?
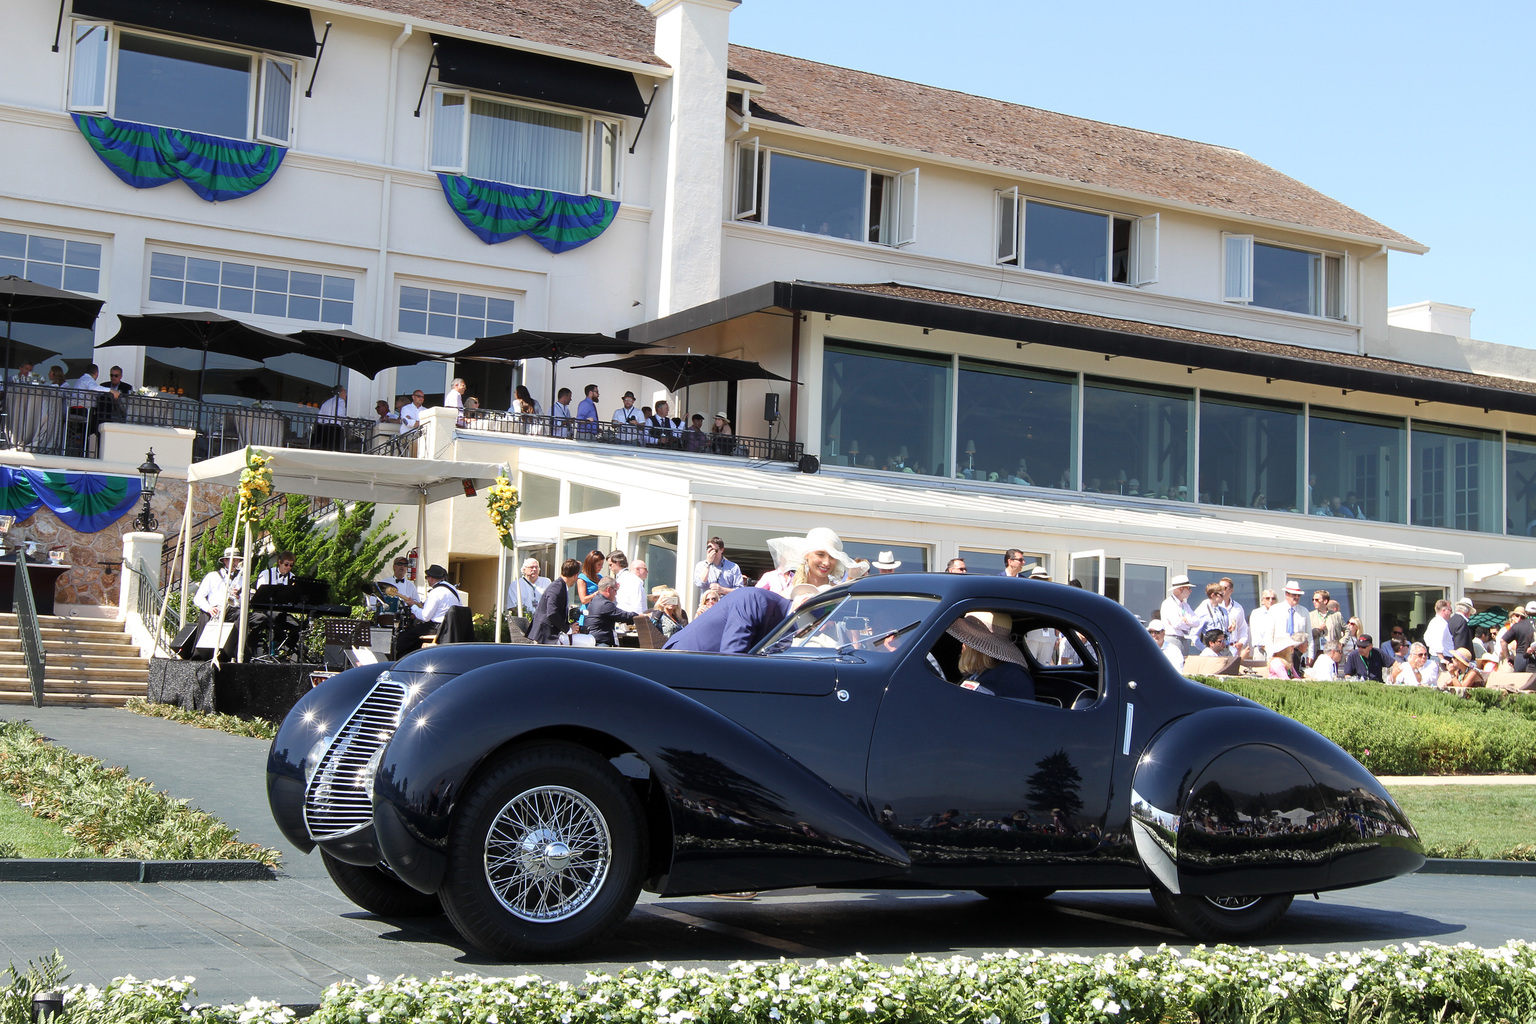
[809,464]
[185,642]
[771,407]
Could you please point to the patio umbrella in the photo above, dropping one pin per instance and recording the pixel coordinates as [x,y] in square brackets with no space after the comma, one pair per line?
[680,370]
[31,303]
[551,345]
[1493,618]
[368,356]
[205,332]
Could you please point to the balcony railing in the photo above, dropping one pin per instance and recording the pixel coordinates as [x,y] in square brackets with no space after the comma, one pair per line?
[638,435]
[49,420]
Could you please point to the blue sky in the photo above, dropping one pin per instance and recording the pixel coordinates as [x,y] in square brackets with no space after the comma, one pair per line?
[1416,114]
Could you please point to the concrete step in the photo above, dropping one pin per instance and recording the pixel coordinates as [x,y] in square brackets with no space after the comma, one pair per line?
[79,623]
[54,694]
[72,665]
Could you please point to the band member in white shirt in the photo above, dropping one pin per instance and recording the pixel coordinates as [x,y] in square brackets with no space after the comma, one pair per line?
[429,613]
[219,589]
[277,624]
[406,587]
[279,574]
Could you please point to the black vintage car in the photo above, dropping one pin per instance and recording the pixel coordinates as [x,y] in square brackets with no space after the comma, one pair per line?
[532,792]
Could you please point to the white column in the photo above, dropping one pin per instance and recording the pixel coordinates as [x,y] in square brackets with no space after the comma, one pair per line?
[140,550]
[693,36]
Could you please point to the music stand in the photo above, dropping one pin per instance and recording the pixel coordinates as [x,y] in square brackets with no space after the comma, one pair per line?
[272,600]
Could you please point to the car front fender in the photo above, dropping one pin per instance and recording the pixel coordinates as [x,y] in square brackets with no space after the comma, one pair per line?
[1244,801]
[743,813]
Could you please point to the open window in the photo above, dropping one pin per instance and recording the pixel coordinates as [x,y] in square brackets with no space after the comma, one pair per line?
[1284,277]
[1054,239]
[824,197]
[494,139]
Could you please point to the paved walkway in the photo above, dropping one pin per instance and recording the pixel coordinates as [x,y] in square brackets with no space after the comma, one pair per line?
[288,938]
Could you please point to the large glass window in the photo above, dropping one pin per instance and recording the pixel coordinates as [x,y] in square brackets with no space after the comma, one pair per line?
[463,316]
[1408,607]
[540,496]
[1076,243]
[585,498]
[1280,277]
[989,562]
[1017,426]
[1137,439]
[238,287]
[658,550]
[1520,474]
[912,557]
[179,84]
[56,262]
[495,140]
[1456,478]
[821,197]
[1250,452]
[430,377]
[1359,459]
[885,409]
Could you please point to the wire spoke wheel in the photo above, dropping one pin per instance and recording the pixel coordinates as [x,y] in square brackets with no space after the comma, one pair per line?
[547,853]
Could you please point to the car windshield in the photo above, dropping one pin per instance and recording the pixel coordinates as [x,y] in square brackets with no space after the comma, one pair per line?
[879,623]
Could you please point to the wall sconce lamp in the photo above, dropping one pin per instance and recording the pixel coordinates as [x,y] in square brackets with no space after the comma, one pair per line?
[149,477]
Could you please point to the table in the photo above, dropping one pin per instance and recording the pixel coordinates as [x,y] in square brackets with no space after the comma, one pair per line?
[44,577]
[35,416]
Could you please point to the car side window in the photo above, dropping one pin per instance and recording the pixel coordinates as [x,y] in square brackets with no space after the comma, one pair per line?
[1020,655]
[876,625]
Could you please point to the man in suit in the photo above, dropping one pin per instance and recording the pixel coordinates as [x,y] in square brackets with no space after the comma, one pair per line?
[603,613]
[735,625]
[553,617]
[1461,628]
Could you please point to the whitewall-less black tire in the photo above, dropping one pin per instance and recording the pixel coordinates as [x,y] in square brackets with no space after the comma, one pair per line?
[1221,918]
[378,891]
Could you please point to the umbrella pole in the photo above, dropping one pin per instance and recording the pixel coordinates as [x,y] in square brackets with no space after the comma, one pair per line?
[10,326]
[501,590]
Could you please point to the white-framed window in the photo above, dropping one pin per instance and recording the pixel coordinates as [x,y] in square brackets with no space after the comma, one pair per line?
[495,139]
[447,313]
[1074,242]
[1284,277]
[45,259]
[177,83]
[242,286]
[824,197]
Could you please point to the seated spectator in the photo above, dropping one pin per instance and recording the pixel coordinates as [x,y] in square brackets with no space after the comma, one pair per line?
[1326,667]
[1365,661]
[1462,673]
[694,438]
[1215,641]
[603,613]
[1159,635]
[989,660]
[1417,670]
[381,408]
[668,616]
[1280,660]
[707,601]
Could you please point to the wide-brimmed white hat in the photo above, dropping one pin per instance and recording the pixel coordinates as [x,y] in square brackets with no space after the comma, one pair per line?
[989,633]
[1465,602]
[887,560]
[792,550]
[1039,572]
[805,590]
[1179,581]
[1292,587]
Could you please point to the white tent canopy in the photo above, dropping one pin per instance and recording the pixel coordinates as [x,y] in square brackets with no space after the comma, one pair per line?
[386,479]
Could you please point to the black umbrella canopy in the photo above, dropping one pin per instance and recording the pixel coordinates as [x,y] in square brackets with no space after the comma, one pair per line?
[27,302]
[204,332]
[678,370]
[368,356]
[551,345]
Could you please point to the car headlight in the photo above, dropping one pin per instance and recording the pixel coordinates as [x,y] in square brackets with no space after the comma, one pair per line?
[369,770]
[312,759]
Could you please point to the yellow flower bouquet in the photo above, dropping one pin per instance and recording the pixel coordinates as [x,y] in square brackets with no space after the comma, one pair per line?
[501,504]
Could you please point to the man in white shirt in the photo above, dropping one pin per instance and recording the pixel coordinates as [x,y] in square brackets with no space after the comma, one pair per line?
[330,434]
[454,399]
[280,573]
[1288,626]
[410,414]
[87,381]
[1260,625]
[1177,616]
[1418,669]
[560,413]
[428,614]
[278,626]
[632,589]
[1326,667]
[1437,635]
[219,589]
[1159,636]
[527,589]
[1238,636]
[630,418]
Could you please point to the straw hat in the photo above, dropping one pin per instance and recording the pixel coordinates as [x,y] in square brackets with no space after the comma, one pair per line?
[1292,587]
[1463,656]
[231,553]
[1465,602]
[1039,572]
[1179,581]
[989,633]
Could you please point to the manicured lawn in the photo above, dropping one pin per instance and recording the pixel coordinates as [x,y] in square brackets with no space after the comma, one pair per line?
[1473,821]
[33,837]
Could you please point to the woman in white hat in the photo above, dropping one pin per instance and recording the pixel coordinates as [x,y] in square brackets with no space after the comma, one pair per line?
[989,660]
[817,558]
[1280,659]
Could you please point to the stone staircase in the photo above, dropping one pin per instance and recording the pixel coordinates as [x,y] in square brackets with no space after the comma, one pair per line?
[90,663]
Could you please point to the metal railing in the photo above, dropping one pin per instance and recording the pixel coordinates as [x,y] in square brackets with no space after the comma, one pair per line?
[149,594]
[31,631]
[640,435]
[403,444]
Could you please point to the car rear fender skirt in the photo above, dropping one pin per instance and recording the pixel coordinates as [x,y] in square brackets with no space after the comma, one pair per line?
[317,715]
[741,810]
[1243,801]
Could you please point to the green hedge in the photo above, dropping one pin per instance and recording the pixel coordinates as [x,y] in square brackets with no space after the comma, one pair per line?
[1403,985]
[1407,730]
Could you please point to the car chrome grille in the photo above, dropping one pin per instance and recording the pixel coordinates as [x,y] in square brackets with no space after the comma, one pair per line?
[335,801]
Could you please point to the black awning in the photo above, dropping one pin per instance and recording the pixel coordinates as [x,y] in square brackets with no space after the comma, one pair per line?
[258,24]
[536,76]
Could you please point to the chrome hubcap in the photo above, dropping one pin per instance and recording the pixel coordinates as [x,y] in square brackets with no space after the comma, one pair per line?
[547,854]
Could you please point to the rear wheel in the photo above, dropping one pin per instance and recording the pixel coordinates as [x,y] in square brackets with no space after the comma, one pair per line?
[379,891]
[1221,918]
[546,853]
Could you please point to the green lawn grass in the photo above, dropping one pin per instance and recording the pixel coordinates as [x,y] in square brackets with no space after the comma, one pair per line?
[1472,821]
[31,837]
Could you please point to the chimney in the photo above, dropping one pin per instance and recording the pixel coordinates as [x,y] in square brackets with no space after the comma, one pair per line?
[693,36]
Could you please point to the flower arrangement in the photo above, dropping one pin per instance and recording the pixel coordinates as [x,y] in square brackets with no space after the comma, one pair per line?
[501,504]
[148,392]
[255,480]
[259,404]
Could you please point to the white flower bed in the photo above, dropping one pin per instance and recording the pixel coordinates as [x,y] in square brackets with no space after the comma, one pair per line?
[1427,982]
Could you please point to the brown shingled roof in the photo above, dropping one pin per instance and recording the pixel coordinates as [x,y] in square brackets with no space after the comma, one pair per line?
[613,28]
[893,112]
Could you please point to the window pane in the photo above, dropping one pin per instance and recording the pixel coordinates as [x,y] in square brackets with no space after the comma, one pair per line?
[1285,279]
[50,274]
[302,307]
[271,304]
[48,250]
[1250,453]
[204,295]
[1520,472]
[448,130]
[540,496]
[333,312]
[13,244]
[499,310]
[164,290]
[1062,241]
[82,254]
[302,283]
[339,288]
[203,271]
[429,376]
[1408,606]
[604,177]
[1016,427]
[235,300]
[413,298]
[276,98]
[659,553]
[521,146]
[911,557]
[239,275]
[1137,441]
[178,85]
[885,409]
[82,279]
[815,196]
[10,266]
[413,322]
[93,51]
[588,499]
[1359,459]
[472,306]
[1143,587]
[1456,478]
[269,279]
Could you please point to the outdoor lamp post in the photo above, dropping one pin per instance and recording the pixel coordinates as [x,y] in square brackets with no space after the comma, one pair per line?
[149,476]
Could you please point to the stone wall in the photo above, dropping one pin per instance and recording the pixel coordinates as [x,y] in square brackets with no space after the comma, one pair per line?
[90,582]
